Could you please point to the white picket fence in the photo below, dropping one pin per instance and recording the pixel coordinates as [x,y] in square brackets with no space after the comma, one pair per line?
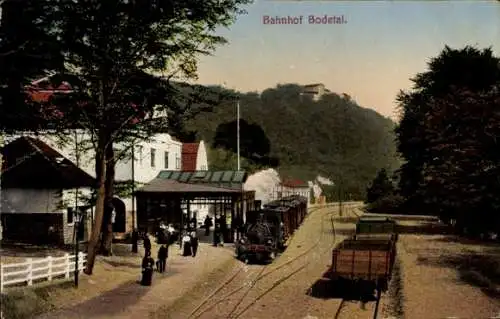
[35,269]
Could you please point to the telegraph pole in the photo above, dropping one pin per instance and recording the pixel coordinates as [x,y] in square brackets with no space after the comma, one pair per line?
[238,132]
[341,159]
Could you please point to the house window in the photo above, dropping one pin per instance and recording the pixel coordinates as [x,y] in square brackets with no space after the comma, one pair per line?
[166,160]
[139,151]
[153,157]
[177,163]
[69,215]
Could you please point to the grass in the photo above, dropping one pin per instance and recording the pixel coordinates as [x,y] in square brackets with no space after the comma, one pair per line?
[109,273]
[24,303]
[197,293]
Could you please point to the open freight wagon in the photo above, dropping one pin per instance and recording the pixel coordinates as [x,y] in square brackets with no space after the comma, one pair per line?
[370,261]
[373,227]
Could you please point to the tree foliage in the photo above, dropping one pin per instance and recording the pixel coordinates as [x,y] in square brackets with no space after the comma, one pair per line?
[333,137]
[28,51]
[121,57]
[469,69]
[448,137]
[254,143]
[380,187]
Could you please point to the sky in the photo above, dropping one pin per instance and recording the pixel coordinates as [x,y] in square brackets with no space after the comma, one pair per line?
[371,56]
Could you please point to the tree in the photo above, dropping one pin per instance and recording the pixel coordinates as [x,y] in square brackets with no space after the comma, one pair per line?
[253,140]
[28,50]
[113,52]
[447,137]
[306,150]
[380,187]
[468,69]
[461,180]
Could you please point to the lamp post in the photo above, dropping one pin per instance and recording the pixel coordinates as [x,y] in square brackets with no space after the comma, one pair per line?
[135,236]
[79,216]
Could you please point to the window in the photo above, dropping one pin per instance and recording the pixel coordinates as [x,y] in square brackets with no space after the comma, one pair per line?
[69,215]
[140,153]
[177,162]
[153,157]
[166,160]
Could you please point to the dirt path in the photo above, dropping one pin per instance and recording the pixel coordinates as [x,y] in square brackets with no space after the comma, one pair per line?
[435,283]
[131,300]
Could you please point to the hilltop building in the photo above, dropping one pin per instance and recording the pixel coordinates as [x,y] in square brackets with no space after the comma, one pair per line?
[315,91]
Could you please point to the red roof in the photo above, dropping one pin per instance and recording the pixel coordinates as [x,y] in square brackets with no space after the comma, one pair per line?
[41,91]
[294,183]
[189,155]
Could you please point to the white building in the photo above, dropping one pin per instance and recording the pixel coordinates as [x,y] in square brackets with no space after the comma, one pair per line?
[315,91]
[160,153]
[139,163]
[293,187]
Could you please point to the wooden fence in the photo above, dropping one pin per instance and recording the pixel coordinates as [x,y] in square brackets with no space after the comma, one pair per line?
[35,270]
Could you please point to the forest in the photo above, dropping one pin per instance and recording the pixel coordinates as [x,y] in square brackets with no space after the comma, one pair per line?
[333,137]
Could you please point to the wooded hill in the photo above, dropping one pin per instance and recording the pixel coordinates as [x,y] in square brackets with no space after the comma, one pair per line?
[333,137]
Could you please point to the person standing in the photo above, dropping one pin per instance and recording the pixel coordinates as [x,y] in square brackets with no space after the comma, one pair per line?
[147,244]
[162,258]
[217,230]
[207,223]
[223,232]
[194,244]
[147,269]
[186,243]
[192,224]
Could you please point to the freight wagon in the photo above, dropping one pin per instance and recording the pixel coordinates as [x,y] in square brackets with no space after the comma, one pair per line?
[376,227]
[368,260]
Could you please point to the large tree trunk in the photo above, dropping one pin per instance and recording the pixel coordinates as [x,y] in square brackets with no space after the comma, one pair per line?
[99,209]
[107,230]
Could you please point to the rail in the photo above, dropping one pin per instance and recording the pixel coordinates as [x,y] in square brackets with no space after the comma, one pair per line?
[34,269]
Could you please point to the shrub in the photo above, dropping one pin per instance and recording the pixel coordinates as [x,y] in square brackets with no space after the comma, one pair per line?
[390,204]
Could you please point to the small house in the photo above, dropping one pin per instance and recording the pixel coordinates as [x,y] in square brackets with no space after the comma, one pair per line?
[39,197]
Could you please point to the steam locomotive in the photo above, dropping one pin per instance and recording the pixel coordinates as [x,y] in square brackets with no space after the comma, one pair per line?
[267,230]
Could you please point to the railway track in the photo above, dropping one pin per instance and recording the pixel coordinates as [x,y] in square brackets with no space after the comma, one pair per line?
[278,282]
[349,309]
[241,292]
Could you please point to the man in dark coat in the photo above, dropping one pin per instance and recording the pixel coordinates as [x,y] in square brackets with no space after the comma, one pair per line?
[147,269]
[223,231]
[162,258]
[207,223]
[217,230]
[192,224]
[147,244]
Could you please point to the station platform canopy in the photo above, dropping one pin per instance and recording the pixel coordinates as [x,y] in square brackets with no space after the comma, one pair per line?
[165,196]
[208,184]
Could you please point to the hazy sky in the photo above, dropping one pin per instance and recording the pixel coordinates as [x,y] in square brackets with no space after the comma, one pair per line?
[371,57]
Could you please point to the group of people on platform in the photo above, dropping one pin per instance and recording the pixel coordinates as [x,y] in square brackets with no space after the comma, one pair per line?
[148,262]
[189,242]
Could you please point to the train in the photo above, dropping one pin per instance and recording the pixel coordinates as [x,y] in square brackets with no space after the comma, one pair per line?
[267,230]
[368,256]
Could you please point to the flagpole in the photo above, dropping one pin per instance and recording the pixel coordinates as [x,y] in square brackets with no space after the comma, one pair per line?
[238,131]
